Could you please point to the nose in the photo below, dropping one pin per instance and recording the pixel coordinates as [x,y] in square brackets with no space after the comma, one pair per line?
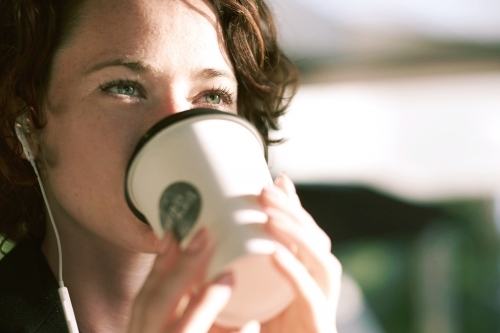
[174,100]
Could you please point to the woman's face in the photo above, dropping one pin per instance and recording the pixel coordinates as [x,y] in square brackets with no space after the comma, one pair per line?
[127,65]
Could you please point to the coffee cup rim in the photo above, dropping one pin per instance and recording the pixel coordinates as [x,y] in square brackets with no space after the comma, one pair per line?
[174,119]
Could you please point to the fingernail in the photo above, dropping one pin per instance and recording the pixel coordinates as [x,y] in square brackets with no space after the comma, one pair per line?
[287,181]
[198,242]
[225,278]
[280,178]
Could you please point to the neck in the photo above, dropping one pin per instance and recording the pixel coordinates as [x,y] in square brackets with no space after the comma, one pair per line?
[101,278]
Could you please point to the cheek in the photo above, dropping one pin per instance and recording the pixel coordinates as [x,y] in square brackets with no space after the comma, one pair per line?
[90,135]
[85,156]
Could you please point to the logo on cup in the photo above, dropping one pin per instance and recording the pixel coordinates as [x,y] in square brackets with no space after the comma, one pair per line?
[179,208]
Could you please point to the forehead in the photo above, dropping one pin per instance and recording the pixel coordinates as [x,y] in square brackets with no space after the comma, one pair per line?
[154,30]
[147,14]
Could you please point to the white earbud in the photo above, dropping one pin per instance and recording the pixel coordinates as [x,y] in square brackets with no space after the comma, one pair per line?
[20,128]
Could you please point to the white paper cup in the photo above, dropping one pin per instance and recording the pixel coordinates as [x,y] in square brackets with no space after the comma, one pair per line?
[206,168]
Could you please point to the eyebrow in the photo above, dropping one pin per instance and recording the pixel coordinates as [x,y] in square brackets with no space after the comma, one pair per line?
[212,73]
[141,67]
[136,66]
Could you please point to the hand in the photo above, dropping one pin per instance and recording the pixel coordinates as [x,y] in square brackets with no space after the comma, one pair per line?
[174,297]
[312,269]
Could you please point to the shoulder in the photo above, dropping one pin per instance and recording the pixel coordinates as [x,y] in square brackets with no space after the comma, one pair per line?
[29,302]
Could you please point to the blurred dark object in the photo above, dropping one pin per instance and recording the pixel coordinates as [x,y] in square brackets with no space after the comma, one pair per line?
[347,213]
[422,268]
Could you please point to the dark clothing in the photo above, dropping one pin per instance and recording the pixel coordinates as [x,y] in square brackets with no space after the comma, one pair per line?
[29,301]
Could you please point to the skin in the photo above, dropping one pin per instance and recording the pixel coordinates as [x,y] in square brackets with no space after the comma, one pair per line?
[128,65]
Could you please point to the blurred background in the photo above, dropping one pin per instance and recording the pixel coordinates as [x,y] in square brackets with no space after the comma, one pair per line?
[394,143]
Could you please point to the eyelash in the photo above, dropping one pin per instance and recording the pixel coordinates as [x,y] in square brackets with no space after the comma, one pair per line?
[223,92]
[134,83]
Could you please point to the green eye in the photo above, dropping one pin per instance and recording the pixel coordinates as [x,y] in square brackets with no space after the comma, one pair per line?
[124,89]
[212,98]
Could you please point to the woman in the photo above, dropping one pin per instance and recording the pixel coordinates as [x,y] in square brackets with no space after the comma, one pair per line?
[92,77]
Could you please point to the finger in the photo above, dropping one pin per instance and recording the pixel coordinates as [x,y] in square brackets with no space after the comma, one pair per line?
[311,244]
[189,271]
[313,302]
[204,308]
[321,264]
[165,260]
[273,199]
[285,183]
[281,225]
[274,196]
[293,217]
[157,306]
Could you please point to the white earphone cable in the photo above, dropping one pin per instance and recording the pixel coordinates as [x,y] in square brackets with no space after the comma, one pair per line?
[61,283]
[20,128]
[63,291]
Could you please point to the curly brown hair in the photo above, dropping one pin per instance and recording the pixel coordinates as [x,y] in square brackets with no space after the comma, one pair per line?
[31,31]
